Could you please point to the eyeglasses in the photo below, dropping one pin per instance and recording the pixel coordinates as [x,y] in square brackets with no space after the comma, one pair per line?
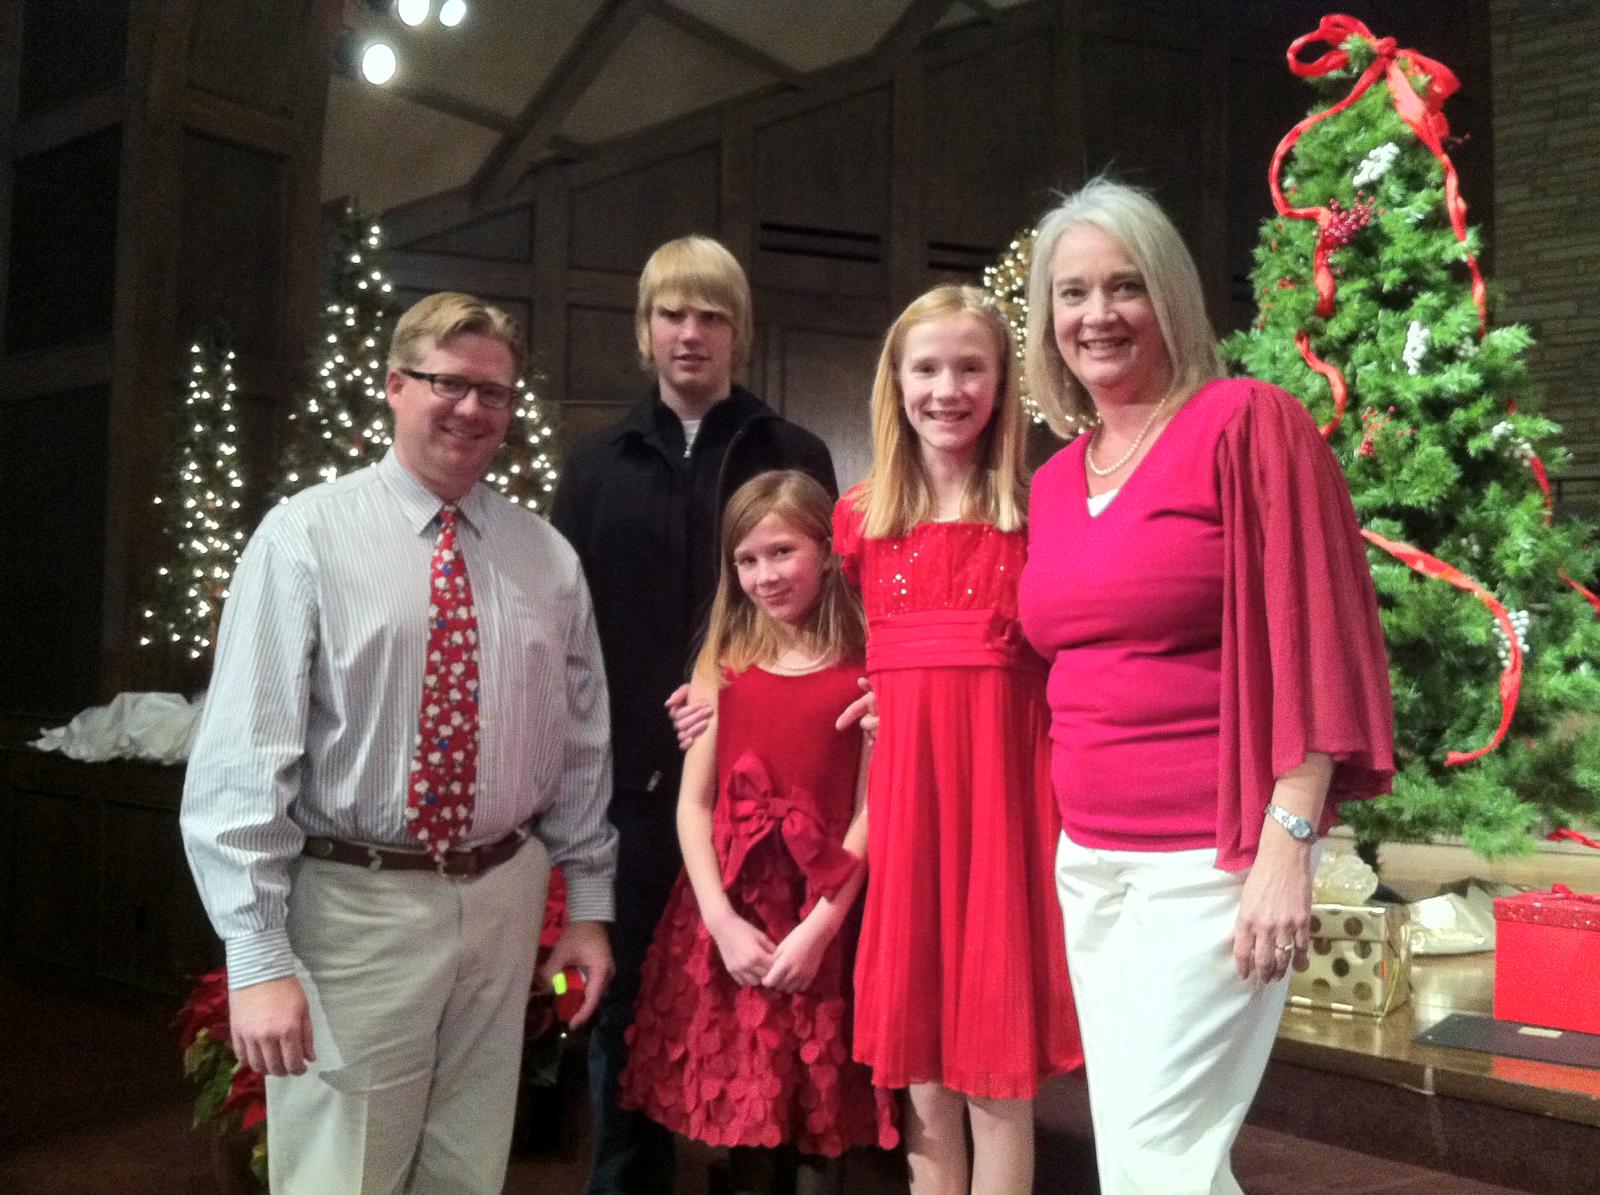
[453,388]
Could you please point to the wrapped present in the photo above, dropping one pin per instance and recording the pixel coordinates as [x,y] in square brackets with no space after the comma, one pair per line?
[1547,959]
[1360,960]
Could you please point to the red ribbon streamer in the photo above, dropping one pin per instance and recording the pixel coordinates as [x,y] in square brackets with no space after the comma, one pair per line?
[1511,678]
[1542,476]
[1336,382]
[1568,834]
[1423,113]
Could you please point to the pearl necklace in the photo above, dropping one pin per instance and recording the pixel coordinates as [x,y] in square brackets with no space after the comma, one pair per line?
[1088,458]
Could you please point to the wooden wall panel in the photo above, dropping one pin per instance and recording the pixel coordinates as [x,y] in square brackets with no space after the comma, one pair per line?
[602,357]
[986,179]
[1143,121]
[246,51]
[62,257]
[52,467]
[827,170]
[504,237]
[827,387]
[70,49]
[233,228]
[618,222]
[1262,106]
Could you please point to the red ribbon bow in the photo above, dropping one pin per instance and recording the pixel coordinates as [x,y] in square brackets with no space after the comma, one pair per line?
[1562,892]
[757,810]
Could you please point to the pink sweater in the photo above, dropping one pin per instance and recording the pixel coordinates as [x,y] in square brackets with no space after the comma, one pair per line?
[1212,626]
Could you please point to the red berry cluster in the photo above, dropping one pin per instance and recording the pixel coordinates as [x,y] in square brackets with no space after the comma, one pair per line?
[1341,229]
[1373,424]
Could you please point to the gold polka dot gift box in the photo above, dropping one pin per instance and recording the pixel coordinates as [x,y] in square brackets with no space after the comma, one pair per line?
[1360,960]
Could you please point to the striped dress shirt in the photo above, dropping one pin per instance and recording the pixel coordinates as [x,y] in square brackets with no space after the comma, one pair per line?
[309,726]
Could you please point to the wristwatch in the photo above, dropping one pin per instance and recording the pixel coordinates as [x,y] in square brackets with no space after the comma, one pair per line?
[1299,828]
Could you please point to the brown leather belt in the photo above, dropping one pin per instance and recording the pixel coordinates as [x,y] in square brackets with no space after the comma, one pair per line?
[470,862]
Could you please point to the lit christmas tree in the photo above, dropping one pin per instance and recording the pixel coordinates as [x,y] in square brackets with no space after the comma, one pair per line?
[342,421]
[1007,284]
[201,508]
[1373,311]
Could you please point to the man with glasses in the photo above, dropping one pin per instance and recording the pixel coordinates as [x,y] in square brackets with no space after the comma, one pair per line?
[407,726]
[641,502]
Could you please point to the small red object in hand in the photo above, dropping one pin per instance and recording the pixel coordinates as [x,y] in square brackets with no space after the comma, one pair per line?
[568,985]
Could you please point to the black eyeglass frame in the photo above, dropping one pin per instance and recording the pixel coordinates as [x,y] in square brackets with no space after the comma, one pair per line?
[494,395]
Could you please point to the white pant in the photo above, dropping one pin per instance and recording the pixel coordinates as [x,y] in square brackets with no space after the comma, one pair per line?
[1174,1042]
[418,985]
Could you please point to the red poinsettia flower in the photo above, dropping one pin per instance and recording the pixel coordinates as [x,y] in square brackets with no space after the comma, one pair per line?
[247,1096]
[206,1008]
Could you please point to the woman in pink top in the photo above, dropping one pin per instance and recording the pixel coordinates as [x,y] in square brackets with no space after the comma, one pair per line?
[1217,684]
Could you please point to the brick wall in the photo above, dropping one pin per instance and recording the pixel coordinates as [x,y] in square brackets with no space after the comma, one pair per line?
[1546,249]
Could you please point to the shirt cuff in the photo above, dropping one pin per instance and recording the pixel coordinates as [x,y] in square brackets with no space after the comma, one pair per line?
[590,898]
[258,957]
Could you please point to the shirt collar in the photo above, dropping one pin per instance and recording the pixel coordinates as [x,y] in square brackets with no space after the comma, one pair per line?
[419,504]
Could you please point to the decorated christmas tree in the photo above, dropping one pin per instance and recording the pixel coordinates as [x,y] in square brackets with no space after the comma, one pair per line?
[1373,310]
[200,508]
[341,422]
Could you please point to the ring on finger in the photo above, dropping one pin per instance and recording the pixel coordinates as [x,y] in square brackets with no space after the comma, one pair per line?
[1285,947]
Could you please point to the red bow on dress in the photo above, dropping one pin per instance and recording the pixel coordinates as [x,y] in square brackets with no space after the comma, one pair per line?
[757,810]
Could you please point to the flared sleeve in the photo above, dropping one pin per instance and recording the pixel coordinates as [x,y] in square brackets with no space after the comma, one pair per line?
[847,524]
[1303,662]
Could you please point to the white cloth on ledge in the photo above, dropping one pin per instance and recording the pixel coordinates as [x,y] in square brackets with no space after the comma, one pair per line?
[158,727]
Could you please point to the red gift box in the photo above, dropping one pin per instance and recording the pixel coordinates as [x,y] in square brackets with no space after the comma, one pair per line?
[1547,959]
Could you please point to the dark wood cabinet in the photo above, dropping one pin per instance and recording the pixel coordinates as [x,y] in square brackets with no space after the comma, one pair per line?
[93,880]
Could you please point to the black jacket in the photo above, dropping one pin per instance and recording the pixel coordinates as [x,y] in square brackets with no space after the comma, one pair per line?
[643,517]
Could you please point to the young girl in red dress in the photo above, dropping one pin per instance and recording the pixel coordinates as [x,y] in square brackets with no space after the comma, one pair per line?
[742,1031]
[961,976]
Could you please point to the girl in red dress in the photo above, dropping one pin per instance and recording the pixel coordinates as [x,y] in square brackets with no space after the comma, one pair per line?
[961,978]
[742,1027]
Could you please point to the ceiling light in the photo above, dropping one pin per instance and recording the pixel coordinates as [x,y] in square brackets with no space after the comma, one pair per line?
[452,12]
[378,63]
[412,12]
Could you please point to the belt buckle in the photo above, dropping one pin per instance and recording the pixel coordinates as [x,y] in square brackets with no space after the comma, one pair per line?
[459,863]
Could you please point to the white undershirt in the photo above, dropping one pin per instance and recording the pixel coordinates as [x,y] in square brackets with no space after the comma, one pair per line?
[691,429]
[1098,502]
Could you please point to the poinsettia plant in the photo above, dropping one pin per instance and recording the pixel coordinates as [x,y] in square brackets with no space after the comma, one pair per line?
[231,1096]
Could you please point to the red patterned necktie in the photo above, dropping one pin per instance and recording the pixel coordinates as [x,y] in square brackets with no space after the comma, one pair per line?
[444,766]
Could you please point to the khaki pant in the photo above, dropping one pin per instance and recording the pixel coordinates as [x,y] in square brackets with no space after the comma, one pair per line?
[418,986]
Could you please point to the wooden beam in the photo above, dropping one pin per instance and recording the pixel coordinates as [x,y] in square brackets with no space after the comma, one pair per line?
[520,148]
[451,105]
[88,363]
[908,240]
[229,120]
[734,47]
[417,270]
[902,38]
[57,126]
[1071,148]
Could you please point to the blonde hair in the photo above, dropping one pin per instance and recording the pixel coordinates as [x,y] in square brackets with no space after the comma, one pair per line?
[430,322]
[896,495]
[1170,278]
[739,634]
[695,271]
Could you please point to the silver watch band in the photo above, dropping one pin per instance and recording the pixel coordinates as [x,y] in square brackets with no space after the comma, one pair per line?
[1300,829]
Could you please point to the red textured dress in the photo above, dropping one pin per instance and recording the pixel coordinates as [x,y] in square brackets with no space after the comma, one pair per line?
[734,1065]
[961,976]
